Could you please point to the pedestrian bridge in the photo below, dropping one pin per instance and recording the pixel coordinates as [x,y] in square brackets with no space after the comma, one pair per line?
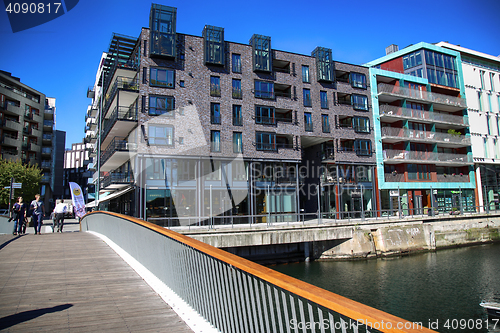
[210,289]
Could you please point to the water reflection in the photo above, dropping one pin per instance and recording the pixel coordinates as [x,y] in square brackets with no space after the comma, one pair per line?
[442,288]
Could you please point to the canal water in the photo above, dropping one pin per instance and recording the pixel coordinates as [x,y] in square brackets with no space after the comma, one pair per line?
[442,289]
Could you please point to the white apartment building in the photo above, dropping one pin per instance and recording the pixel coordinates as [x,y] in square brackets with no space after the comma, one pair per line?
[481,73]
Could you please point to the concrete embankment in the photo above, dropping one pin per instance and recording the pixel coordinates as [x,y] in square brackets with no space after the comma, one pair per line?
[400,239]
[351,239]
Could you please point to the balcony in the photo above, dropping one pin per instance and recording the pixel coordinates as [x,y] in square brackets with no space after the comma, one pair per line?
[404,156]
[48,112]
[48,125]
[45,179]
[116,153]
[46,151]
[395,113]
[10,156]
[121,121]
[46,138]
[394,177]
[128,85]
[10,108]
[13,125]
[46,164]
[10,140]
[90,92]
[392,134]
[390,93]
[34,147]
[453,178]
[116,180]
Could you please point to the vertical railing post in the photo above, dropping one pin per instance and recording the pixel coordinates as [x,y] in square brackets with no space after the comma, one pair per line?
[211,215]
[319,203]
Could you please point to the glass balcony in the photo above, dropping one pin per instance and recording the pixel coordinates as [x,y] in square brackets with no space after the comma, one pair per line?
[46,150]
[421,115]
[400,156]
[405,134]
[420,95]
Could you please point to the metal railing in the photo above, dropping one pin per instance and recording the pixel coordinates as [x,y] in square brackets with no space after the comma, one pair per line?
[232,293]
[121,113]
[117,178]
[437,117]
[124,83]
[421,95]
[117,144]
[415,135]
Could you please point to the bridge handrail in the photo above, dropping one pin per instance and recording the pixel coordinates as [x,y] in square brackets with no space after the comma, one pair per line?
[218,278]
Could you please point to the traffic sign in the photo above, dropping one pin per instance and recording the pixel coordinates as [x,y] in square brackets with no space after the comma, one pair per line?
[17,185]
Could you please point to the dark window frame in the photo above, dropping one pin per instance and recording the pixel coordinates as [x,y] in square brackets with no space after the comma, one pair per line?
[153,72]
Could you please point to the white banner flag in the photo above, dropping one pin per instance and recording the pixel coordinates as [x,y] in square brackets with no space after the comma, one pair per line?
[77,197]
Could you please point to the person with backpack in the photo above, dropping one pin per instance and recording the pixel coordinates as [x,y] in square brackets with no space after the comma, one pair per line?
[38,210]
[19,215]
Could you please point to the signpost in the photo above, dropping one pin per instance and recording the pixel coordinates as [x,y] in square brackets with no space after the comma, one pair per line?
[12,187]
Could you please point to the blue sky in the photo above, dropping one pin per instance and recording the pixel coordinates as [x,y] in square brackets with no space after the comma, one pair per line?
[60,57]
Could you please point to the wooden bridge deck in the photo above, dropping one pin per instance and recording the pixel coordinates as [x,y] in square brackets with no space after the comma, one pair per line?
[73,282]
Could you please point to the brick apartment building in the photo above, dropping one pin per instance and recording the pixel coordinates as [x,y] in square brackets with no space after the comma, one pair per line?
[196,126]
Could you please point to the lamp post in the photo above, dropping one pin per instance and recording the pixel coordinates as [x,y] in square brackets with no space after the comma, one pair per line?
[99,124]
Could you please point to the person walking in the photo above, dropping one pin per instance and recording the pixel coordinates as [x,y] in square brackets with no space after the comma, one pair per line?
[38,213]
[19,216]
[59,212]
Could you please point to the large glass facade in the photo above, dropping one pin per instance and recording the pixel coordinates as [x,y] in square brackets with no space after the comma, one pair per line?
[213,38]
[324,64]
[162,26]
[261,53]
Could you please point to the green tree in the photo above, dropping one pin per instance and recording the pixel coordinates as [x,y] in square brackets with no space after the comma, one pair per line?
[29,175]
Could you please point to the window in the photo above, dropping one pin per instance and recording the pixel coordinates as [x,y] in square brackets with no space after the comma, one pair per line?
[361,124]
[162,77]
[324,64]
[213,38]
[237,89]
[324,99]
[306,93]
[181,83]
[264,89]
[215,86]
[237,142]
[160,135]
[412,60]
[360,102]
[305,74]
[215,113]
[358,80]
[308,122]
[363,147]
[160,105]
[144,75]
[419,172]
[265,141]
[236,63]
[162,25]
[481,75]
[264,115]
[480,100]
[261,53]
[325,123]
[215,141]
[237,116]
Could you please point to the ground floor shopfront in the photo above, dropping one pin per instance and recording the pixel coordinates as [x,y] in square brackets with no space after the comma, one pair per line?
[426,201]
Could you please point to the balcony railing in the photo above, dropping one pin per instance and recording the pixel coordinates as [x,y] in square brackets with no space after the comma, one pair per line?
[437,117]
[46,150]
[453,178]
[46,164]
[117,178]
[124,83]
[47,137]
[264,94]
[307,101]
[427,96]
[131,64]
[119,113]
[421,156]
[309,127]
[237,93]
[118,144]
[20,92]
[394,177]
[14,125]
[414,135]
[272,146]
